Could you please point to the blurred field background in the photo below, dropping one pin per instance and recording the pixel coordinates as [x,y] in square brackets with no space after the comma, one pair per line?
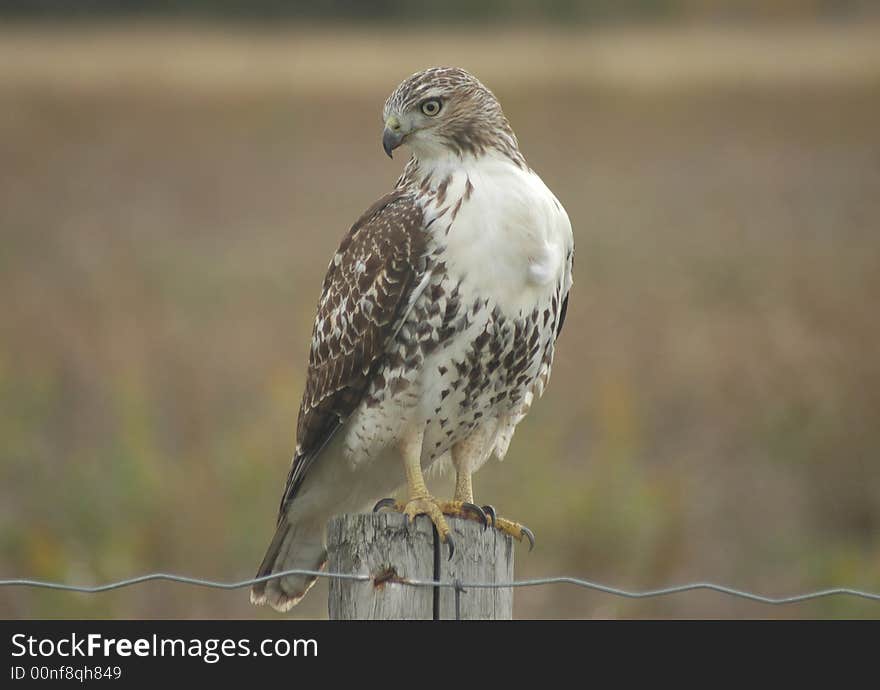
[171,191]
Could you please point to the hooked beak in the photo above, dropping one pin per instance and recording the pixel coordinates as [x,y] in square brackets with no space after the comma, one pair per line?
[392,136]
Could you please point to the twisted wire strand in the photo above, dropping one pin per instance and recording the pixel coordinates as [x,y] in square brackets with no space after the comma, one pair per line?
[455,584]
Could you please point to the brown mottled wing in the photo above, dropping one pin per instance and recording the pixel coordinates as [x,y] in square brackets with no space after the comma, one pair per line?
[366,290]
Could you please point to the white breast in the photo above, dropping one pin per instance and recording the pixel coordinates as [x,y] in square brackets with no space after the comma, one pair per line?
[510,238]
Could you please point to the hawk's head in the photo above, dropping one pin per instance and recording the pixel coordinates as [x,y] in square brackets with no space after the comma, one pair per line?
[446,110]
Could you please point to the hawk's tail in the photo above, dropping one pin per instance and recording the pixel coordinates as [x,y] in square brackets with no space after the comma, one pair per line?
[297,545]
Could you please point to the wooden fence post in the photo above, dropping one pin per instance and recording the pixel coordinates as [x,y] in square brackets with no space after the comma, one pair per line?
[383,546]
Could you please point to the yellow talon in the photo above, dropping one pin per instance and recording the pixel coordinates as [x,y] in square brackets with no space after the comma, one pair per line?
[432,508]
[422,505]
[514,529]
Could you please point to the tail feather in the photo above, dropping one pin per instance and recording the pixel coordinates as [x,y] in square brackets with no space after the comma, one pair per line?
[297,545]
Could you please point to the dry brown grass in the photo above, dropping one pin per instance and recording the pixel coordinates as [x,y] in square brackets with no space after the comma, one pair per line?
[169,199]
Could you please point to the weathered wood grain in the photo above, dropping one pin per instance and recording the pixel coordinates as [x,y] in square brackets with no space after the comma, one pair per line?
[383,546]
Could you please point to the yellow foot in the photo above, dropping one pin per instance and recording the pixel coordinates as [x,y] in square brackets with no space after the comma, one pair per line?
[423,505]
[514,529]
[464,510]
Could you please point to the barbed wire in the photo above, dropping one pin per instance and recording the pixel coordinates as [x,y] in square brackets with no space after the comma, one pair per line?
[455,584]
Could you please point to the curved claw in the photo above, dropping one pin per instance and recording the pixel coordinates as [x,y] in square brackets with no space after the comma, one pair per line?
[451,544]
[478,512]
[490,511]
[383,503]
[528,534]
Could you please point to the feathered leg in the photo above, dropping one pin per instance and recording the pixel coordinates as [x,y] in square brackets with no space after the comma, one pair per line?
[466,456]
[420,501]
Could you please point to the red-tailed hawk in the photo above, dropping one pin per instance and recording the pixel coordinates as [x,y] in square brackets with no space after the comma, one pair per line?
[435,328]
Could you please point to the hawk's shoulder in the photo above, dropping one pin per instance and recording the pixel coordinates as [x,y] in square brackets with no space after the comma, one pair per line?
[366,290]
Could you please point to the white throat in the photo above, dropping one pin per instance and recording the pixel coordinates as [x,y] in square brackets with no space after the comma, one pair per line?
[506,235]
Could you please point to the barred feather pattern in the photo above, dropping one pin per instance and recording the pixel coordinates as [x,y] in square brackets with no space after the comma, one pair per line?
[364,291]
[459,359]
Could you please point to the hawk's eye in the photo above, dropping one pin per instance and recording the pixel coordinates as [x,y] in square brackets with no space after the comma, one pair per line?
[431,106]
